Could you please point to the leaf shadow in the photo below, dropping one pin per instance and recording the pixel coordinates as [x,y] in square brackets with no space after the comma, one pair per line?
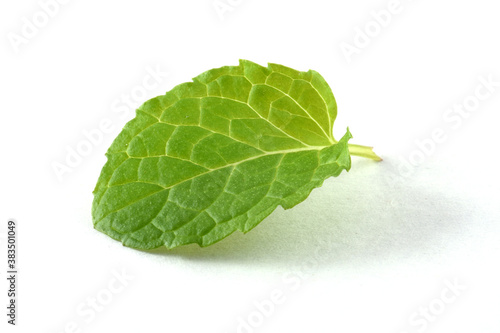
[356,219]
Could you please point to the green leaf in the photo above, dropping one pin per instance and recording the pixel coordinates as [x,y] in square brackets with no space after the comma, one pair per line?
[217,155]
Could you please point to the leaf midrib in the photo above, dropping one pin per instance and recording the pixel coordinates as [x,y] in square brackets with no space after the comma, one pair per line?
[282,152]
[279,152]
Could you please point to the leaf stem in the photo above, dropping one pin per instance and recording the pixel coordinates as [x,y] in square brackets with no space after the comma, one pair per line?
[363,151]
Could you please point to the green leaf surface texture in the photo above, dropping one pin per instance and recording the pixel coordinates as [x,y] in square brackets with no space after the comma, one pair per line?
[217,155]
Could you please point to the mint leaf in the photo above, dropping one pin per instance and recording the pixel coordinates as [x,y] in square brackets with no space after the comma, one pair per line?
[219,154]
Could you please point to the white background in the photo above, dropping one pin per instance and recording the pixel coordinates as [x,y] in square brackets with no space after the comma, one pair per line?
[370,251]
